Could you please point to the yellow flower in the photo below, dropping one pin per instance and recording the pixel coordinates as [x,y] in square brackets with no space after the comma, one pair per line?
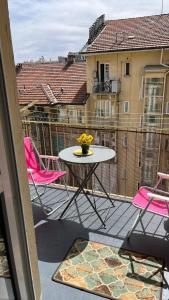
[85,138]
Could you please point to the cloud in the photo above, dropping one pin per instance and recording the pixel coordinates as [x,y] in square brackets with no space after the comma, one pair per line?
[53,28]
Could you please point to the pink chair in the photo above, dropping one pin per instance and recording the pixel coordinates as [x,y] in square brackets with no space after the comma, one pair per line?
[39,175]
[152,200]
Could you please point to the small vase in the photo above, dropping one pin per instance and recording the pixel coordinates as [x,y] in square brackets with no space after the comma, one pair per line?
[85,148]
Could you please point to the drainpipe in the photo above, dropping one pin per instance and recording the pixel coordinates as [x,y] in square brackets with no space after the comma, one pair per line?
[165,77]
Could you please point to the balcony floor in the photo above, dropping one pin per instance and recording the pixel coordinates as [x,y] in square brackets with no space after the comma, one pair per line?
[54,238]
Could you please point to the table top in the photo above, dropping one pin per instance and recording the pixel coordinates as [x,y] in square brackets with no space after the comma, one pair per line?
[100,154]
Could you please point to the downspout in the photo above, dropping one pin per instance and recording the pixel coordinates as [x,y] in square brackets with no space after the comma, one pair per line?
[165,77]
[162,119]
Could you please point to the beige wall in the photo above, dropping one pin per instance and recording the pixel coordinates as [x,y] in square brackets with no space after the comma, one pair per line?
[131,90]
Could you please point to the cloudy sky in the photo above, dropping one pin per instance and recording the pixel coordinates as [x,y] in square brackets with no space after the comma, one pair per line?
[52,28]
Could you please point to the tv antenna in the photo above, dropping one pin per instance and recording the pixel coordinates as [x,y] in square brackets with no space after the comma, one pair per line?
[162,6]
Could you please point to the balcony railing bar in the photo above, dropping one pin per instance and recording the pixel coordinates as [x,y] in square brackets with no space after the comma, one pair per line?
[105,127]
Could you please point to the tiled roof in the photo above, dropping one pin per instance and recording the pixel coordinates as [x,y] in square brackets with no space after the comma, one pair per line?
[42,81]
[150,32]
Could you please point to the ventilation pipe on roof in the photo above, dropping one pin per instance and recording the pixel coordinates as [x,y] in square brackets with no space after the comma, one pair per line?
[18,68]
[71,57]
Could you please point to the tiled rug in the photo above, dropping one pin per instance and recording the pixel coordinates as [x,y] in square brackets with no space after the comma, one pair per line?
[110,272]
[4,268]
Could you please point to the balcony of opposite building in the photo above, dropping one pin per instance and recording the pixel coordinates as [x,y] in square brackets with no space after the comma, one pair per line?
[108,86]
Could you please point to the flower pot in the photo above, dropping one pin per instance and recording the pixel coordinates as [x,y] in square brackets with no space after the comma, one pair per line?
[85,148]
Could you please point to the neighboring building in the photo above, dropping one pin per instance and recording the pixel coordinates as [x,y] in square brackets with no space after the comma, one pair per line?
[59,88]
[52,93]
[127,78]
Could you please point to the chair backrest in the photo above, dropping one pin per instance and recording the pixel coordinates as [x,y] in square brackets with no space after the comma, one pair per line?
[30,155]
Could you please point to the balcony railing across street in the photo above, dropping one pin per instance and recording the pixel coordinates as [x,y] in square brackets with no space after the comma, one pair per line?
[109,86]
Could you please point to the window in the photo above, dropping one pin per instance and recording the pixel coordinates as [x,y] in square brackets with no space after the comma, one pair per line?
[167,164]
[167,108]
[167,145]
[104,72]
[139,158]
[62,115]
[148,170]
[141,121]
[152,120]
[127,69]
[104,108]
[57,143]
[126,106]
[125,141]
[124,175]
[80,116]
[153,87]
[150,140]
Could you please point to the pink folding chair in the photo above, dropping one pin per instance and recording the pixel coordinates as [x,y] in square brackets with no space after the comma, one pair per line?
[39,175]
[152,200]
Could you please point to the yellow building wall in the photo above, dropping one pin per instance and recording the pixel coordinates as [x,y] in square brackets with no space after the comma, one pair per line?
[128,169]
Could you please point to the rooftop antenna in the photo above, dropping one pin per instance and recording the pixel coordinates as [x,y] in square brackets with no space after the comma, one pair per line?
[162,6]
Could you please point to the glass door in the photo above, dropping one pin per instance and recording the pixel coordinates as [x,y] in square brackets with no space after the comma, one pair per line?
[7,290]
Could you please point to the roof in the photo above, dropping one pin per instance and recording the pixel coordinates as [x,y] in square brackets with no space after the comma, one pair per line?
[156,67]
[149,32]
[52,82]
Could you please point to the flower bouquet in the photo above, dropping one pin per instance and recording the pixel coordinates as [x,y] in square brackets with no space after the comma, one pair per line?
[85,140]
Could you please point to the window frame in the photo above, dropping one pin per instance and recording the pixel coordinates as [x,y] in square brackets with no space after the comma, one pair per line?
[125,69]
[124,106]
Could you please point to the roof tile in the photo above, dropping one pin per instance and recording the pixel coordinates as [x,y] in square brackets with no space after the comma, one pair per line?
[132,34]
[31,79]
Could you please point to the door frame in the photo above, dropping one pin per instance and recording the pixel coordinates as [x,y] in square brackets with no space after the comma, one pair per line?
[13,180]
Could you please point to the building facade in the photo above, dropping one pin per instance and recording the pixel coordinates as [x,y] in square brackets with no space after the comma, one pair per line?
[127,78]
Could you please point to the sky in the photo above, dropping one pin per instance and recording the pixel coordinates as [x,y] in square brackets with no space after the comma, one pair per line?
[52,28]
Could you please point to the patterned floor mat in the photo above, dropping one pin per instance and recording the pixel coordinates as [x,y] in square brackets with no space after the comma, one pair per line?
[4,268]
[111,272]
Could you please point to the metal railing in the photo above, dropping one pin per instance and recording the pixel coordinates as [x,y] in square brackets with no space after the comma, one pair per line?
[108,86]
[104,87]
[137,161]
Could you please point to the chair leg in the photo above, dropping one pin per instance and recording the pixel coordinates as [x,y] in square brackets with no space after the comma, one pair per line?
[65,184]
[140,215]
[48,210]
[134,225]
[137,220]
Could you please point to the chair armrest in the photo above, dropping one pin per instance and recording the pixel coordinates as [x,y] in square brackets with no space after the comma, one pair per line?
[30,171]
[163,175]
[49,157]
[158,197]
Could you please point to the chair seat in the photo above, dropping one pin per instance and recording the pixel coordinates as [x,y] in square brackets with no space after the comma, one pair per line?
[45,177]
[157,206]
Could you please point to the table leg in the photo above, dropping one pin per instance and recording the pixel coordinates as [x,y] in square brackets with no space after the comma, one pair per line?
[104,189]
[81,188]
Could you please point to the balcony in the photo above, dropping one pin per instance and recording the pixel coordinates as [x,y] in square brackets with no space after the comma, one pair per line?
[111,86]
[54,238]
